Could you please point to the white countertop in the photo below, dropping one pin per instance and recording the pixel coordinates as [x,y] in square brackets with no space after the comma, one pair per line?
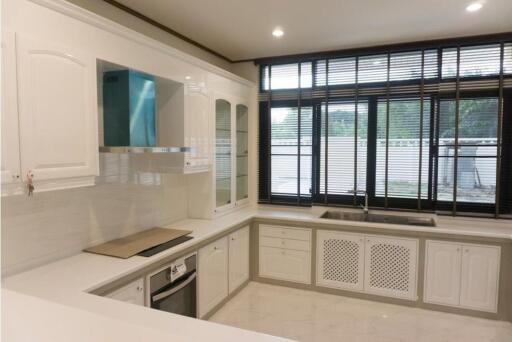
[60,289]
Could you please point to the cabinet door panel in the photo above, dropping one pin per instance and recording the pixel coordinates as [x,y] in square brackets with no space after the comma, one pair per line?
[285,264]
[223,154]
[442,273]
[213,275]
[198,127]
[479,281]
[238,258]
[242,152]
[130,293]
[391,266]
[58,111]
[10,130]
[340,260]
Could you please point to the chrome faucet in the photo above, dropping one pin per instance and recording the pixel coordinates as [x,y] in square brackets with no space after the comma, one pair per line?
[365,206]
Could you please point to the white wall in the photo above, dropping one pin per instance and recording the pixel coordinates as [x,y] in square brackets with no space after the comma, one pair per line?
[56,224]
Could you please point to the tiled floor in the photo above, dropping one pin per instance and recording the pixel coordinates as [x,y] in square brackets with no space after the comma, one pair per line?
[311,316]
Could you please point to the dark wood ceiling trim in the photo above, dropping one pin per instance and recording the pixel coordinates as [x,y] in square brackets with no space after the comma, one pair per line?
[165,28]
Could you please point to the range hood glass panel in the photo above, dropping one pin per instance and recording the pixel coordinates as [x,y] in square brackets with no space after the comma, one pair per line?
[129,109]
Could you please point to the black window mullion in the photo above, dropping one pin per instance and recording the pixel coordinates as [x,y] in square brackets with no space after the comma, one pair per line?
[499,134]
[456,148]
[371,159]
[269,185]
[386,165]
[356,107]
[299,107]
[432,174]
[422,88]
[326,146]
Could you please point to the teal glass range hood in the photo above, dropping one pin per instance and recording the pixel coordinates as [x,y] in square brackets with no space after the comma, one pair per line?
[128,109]
[129,114]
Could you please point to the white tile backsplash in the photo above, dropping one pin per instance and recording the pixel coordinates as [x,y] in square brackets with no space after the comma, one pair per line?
[57,224]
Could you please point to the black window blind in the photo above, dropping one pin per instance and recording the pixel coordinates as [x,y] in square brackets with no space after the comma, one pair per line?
[424,129]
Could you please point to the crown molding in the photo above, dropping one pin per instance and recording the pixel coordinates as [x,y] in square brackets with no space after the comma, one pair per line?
[105,24]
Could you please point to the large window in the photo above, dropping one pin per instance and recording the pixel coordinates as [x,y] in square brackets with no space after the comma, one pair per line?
[403,147]
[473,167]
[343,149]
[291,151]
[426,129]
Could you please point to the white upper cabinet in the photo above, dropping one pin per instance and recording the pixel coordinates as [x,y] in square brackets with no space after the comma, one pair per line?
[198,110]
[231,153]
[184,115]
[10,143]
[223,154]
[242,153]
[57,111]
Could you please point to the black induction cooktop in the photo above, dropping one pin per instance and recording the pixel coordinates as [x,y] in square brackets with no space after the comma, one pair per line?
[162,247]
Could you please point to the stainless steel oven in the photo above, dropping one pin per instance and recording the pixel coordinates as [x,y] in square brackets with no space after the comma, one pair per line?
[173,288]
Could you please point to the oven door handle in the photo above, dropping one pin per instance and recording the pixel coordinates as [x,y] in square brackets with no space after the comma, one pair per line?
[175,289]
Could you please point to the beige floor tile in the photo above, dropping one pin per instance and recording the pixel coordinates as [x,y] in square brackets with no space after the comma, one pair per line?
[310,317]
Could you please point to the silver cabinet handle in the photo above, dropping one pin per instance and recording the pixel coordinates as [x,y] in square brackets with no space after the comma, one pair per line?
[175,289]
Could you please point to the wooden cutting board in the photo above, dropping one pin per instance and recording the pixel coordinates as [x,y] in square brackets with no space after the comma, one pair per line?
[138,242]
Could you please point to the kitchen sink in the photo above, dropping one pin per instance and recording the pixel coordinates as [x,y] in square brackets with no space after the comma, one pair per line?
[379,218]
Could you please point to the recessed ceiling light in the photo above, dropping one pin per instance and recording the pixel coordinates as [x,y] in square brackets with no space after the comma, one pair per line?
[278,32]
[188,77]
[475,6]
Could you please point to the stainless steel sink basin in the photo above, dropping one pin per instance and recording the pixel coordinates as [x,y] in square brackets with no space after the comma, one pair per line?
[379,218]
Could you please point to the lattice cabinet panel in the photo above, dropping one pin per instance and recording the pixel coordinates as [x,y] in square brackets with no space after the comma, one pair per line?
[391,266]
[340,260]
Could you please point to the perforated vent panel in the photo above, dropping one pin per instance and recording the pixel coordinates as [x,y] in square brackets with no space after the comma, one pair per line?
[390,267]
[341,261]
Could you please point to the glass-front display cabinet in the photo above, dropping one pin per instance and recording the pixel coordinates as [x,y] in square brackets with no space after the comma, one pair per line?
[231,154]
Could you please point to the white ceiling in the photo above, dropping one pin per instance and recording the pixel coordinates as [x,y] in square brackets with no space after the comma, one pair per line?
[241,29]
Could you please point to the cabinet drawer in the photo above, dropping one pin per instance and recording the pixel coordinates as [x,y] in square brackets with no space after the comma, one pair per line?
[285,243]
[285,232]
[285,264]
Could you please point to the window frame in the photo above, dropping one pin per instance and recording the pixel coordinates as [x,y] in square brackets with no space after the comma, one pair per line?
[428,204]
[270,98]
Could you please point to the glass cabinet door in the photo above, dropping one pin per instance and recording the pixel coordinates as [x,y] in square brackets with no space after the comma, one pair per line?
[242,152]
[223,152]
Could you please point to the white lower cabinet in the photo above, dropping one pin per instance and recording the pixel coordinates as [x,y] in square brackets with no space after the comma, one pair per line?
[238,258]
[130,293]
[213,275]
[285,253]
[381,265]
[462,275]
[391,266]
[340,260]
[479,277]
[442,273]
